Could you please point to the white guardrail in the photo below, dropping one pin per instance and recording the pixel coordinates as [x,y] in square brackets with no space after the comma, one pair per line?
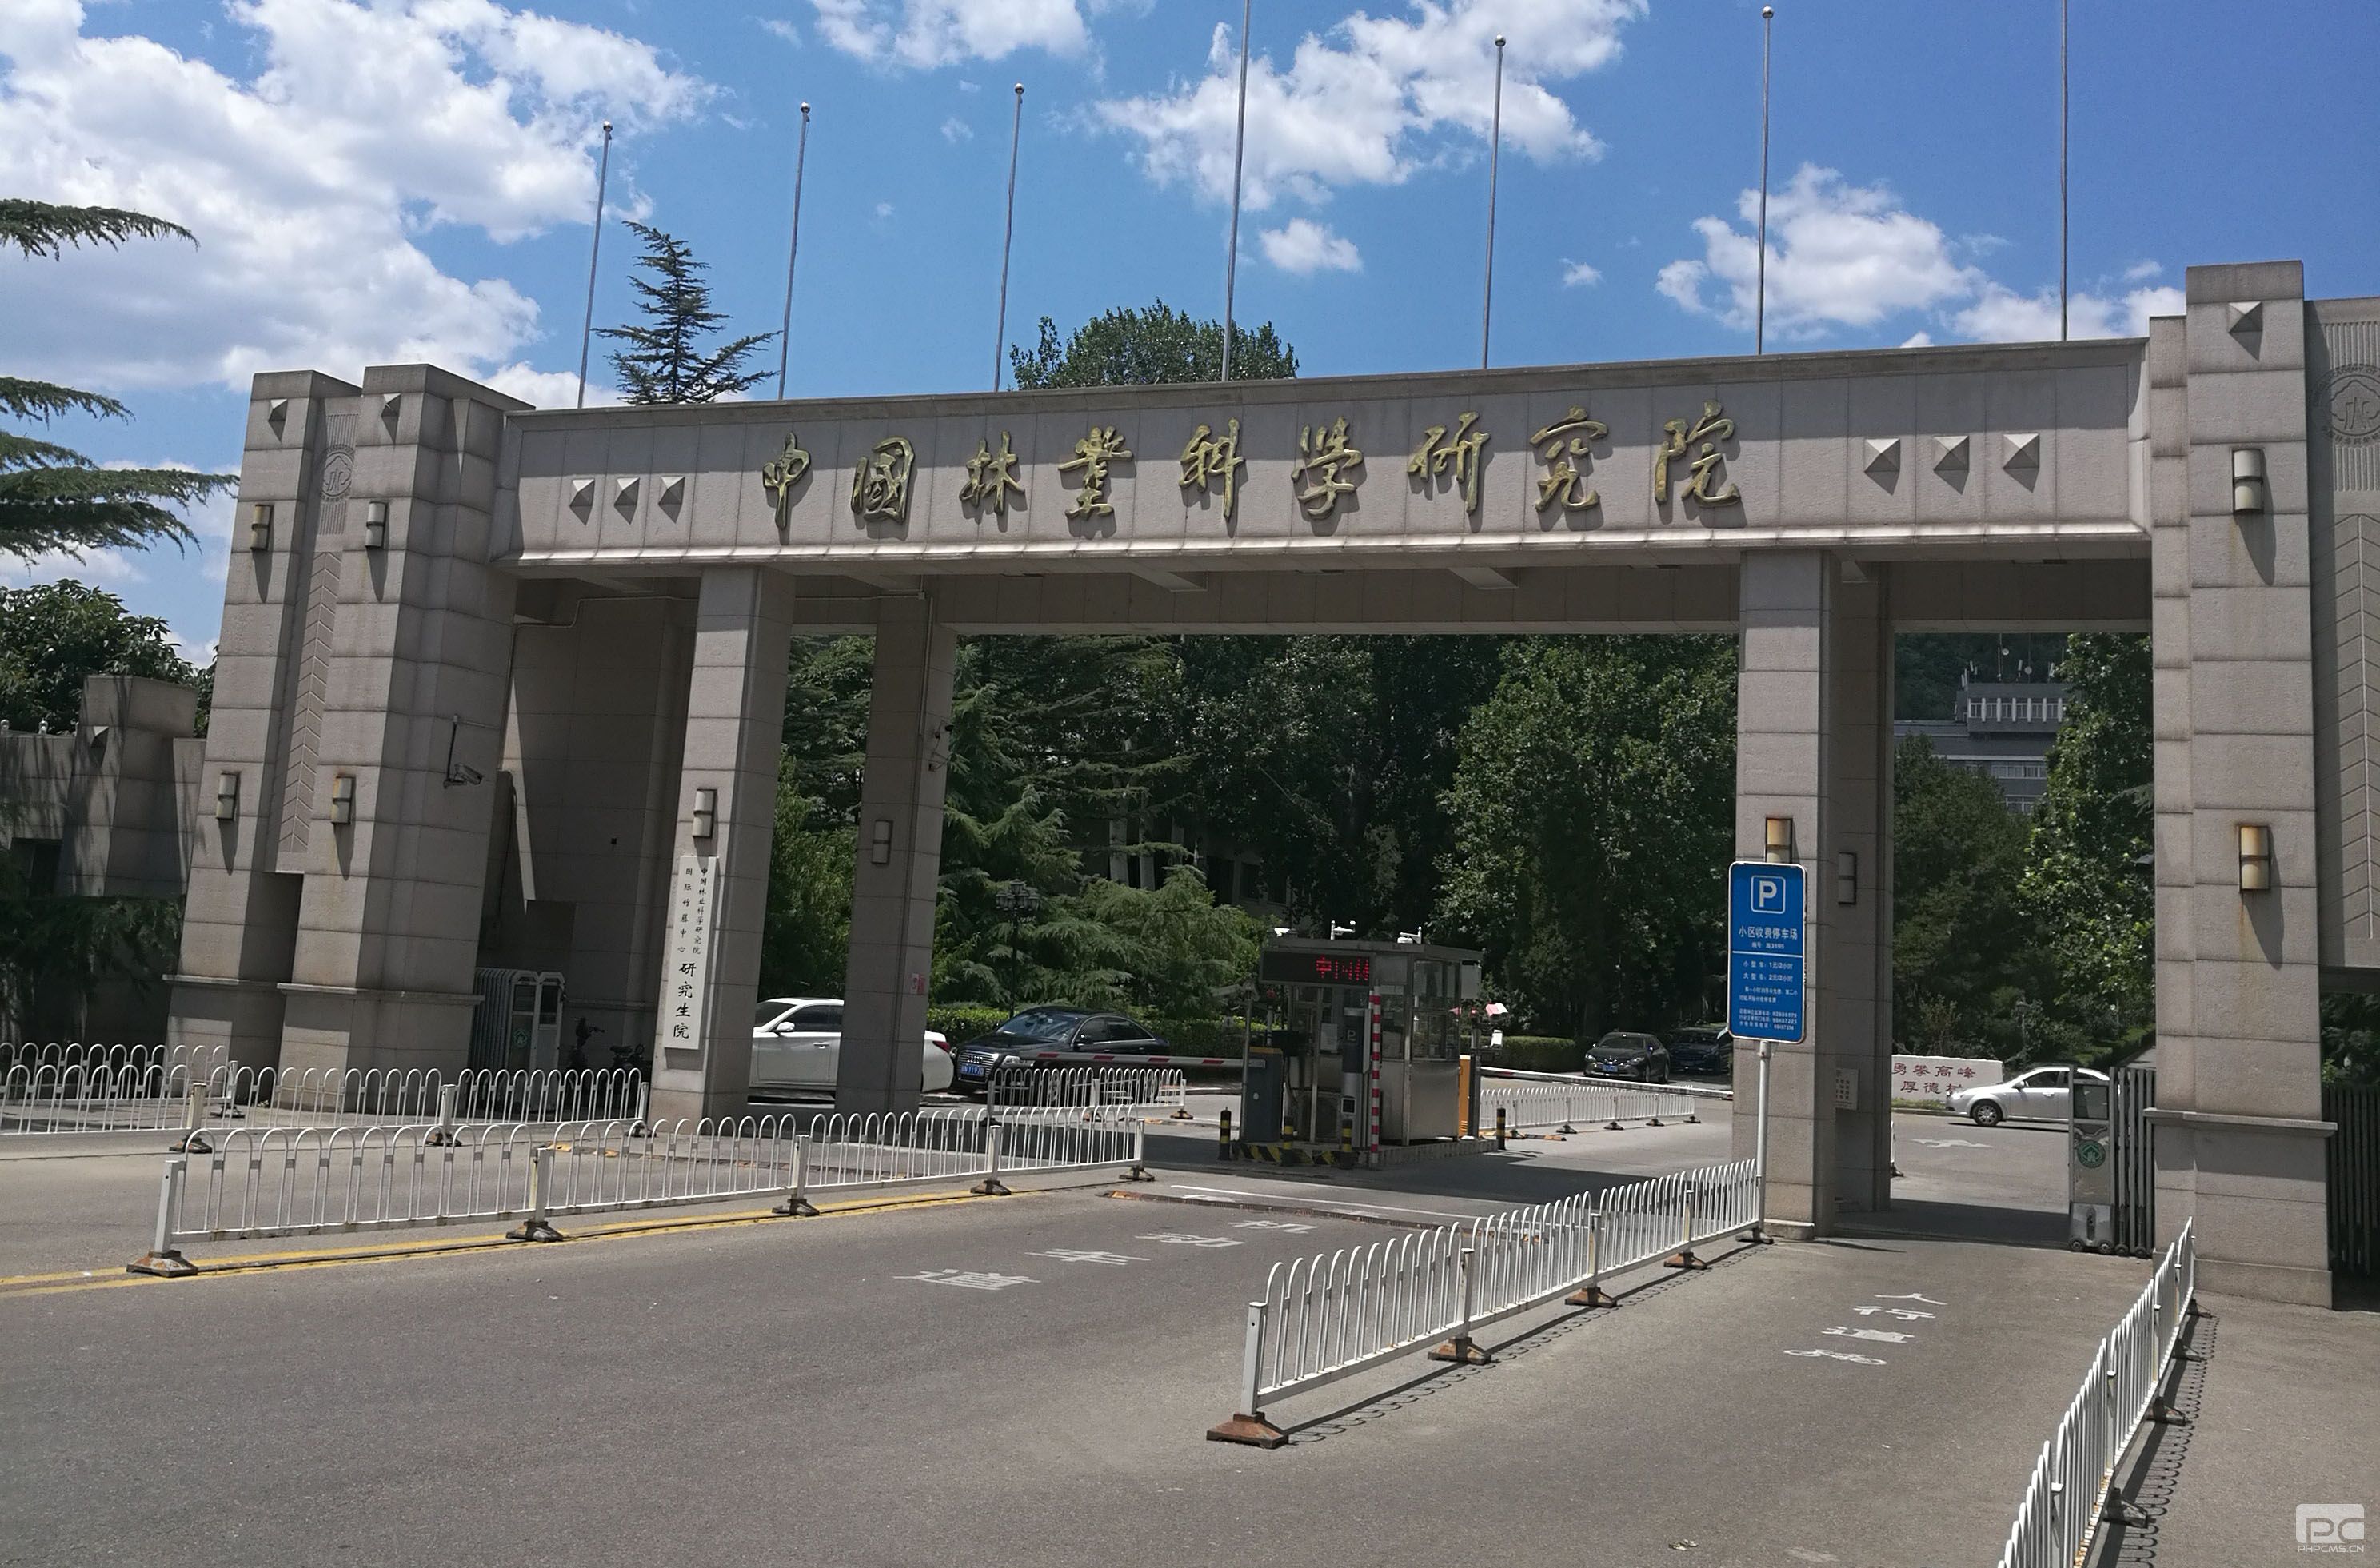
[1144,1091]
[97,1089]
[1567,1104]
[2072,1484]
[1336,1313]
[288,1182]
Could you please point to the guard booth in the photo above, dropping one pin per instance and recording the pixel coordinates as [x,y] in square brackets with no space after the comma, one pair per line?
[1363,1048]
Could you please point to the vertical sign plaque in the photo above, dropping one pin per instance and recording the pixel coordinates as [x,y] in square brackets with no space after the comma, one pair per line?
[686,978]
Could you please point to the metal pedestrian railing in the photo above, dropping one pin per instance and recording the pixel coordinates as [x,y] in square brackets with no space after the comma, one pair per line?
[311,1181]
[1146,1091]
[1335,1314]
[84,1088]
[196,1091]
[1568,1104]
[2072,1485]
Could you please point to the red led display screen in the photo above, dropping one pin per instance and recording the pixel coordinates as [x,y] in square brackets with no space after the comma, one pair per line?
[1315,968]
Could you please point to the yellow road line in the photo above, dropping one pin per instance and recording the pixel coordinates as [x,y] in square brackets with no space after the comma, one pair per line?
[256,1262]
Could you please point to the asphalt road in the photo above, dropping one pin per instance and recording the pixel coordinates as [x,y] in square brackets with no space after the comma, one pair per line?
[1027,1381]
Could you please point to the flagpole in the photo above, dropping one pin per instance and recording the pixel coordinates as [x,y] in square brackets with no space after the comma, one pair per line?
[1495,157]
[1008,236]
[2062,169]
[793,248]
[594,256]
[1760,296]
[1239,156]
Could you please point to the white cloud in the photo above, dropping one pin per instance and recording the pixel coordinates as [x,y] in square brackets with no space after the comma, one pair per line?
[957,129]
[549,389]
[1376,98]
[1579,275]
[2001,315]
[307,181]
[1918,340]
[1838,255]
[883,210]
[2141,272]
[1304,247]
[923,34]
[782,29]
[1844,255]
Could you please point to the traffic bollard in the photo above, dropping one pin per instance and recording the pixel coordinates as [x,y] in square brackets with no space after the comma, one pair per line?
[1500,1127]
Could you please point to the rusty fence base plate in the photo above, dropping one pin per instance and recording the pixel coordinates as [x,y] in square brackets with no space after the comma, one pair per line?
[796,1209]
[1253,1431]
[1683,1261]
[1593,1295]
[1462,1353]
[166,1265]
[532,1230]
[990,1187]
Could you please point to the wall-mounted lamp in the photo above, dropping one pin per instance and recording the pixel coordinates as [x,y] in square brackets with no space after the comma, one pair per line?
[226,796]
[1781,839]
[2255,858]
[1847,875]
[260,525]
[706,812]
[342,800]
[879,842]
[375,525]
[2247,481]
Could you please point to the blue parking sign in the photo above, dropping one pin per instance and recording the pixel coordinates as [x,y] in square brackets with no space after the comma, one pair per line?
[1766,902]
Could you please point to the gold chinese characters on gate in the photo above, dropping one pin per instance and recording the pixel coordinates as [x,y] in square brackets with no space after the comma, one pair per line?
[1326,470]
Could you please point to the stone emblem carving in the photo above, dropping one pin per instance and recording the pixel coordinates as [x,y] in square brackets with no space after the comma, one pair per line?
[2353,394]
[338,471]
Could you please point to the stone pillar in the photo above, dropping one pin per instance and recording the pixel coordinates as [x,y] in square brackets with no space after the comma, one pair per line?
[239,917]
[899,859]
[414,686]
[1813,745]
[735,734]
[2240,1145]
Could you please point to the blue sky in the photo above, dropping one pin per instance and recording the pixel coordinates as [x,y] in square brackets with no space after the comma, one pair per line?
[413,178]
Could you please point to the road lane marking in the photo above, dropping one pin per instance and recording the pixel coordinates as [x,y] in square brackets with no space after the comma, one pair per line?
[1237,1193]
[1840,1355]
[1186,1239]
[1085,1255]
[969,1278]
[1887,1335]
[252,1263]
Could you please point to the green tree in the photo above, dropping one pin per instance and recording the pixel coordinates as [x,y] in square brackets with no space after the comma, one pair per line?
[1330,756]
[1962,958]
[52,497]
[1594,806]
[54,634]
[2088,886]
[808,922]
[1144,347]
[669,359]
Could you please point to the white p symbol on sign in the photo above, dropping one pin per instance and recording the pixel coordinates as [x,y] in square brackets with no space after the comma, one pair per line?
[1769,893]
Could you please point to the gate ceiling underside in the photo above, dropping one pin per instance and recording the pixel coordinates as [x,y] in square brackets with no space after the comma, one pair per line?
[1982,453]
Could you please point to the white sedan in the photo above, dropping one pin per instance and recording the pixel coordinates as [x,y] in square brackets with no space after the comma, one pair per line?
[797,1044]
[2045,1094]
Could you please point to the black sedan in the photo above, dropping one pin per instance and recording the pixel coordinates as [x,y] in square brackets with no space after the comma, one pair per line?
[1705,1048]
[1621,1054]
[1072,1029]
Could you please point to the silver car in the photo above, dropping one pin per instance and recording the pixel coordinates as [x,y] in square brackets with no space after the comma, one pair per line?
[2039,1094]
